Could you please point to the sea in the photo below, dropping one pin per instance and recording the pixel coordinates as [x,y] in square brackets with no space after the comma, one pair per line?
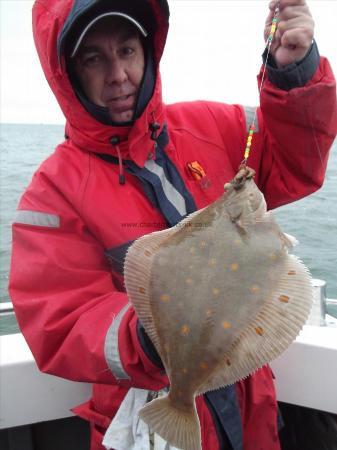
[313,220]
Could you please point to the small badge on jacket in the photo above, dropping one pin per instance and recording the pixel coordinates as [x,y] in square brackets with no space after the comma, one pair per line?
[198,173]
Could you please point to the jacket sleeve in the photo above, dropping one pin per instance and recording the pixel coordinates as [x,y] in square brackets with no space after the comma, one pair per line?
[77,324]
[298,127]
[294,131]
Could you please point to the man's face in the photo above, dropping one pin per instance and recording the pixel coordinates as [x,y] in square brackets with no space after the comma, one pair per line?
[110,65]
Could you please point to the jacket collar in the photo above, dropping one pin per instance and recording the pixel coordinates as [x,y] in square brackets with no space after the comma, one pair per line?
[135,141]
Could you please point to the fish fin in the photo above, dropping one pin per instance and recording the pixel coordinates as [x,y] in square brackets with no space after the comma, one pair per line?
[181,428]
[292,241]
[276,326]
[137,273]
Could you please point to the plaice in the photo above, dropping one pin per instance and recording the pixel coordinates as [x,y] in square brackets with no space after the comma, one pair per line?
[220,296]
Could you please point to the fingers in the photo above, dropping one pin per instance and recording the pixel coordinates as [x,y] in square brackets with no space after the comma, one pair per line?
[285,3]
[295,30]
[294,14]
[294,39]
[288,12]
[296,26]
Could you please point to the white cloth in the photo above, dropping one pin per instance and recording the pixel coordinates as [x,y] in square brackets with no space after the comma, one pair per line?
[127,431]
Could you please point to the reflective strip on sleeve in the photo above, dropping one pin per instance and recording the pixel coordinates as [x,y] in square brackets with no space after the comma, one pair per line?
[249,113]
[36,218]
[111,349]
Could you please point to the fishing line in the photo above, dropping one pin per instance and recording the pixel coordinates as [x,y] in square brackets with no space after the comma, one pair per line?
[269,41]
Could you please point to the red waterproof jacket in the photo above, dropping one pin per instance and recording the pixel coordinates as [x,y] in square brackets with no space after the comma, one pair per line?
[71,307]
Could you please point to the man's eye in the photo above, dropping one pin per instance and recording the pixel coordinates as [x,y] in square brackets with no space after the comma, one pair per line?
[92,60]
[127,51]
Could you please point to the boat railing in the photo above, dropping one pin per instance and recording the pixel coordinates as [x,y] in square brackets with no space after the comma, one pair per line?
[305,375]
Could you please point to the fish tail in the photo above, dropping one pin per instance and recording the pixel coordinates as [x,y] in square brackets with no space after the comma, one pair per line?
[180,428]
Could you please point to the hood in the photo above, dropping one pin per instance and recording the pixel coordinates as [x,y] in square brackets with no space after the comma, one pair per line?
[50,17]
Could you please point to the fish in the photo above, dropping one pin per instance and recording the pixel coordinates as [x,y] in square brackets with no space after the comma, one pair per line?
[220,296]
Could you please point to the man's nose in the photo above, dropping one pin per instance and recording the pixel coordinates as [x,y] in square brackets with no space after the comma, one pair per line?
[115,72]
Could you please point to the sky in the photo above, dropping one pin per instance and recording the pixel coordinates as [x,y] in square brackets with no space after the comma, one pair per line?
[213,52]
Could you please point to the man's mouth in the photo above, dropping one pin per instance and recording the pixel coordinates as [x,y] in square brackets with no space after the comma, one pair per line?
[121,98]
[122,102]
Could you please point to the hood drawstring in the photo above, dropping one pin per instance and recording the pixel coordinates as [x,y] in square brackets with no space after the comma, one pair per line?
[115,141]
[154,127]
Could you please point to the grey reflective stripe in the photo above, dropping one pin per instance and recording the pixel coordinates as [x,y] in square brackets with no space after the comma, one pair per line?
[249,113]
[36,218]
[111,349]
[170,191]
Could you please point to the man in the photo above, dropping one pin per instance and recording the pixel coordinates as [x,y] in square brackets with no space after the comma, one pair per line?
[131,165]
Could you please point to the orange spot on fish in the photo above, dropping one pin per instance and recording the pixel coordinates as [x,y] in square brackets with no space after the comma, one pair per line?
[259,331]
[226,325]
[147,253]
[215,292]
[212,262]
[189,281]
[284,298]
[234,267]
[165,298]
[292,272]
[273,256]
[185,330]
[203,365]
[142,290]
[254,289]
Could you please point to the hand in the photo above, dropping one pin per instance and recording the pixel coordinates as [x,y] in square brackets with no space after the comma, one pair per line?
[294,32]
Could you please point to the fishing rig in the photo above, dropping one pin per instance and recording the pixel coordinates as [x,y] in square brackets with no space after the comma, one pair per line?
[269,41]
